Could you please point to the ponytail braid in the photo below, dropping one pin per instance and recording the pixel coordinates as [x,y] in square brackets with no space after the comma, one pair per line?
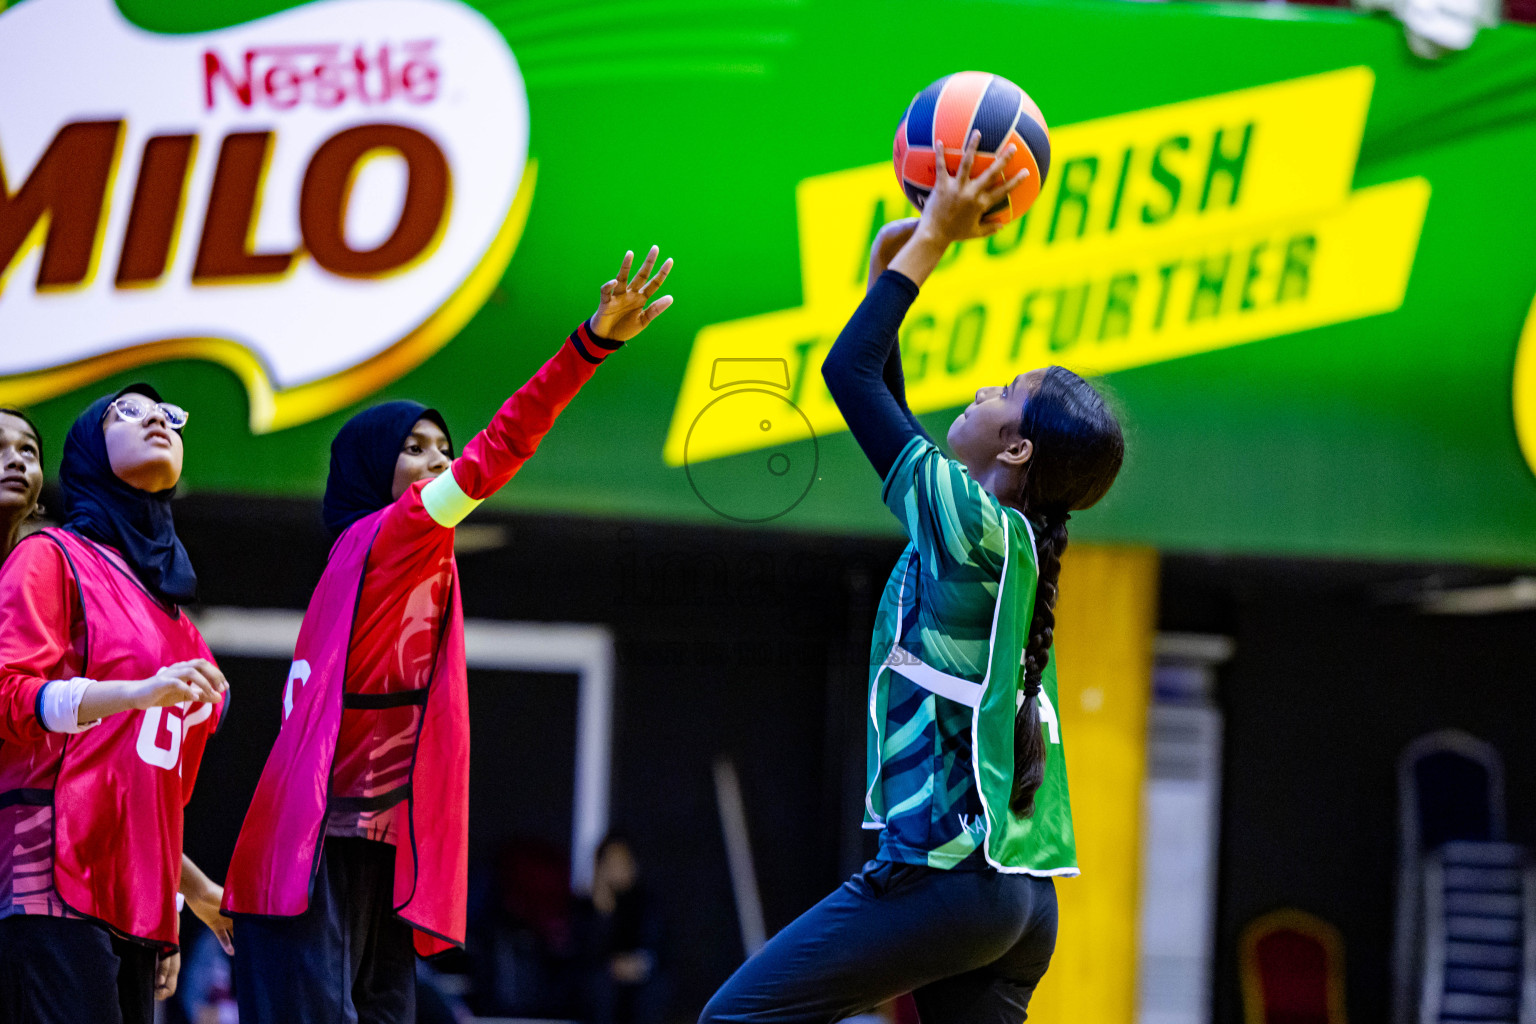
[1029,748]
[1077,449]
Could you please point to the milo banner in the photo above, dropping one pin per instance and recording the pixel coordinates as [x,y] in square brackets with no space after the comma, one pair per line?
[1302,259]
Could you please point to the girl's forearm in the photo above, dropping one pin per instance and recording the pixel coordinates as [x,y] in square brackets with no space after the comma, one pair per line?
[194,884]
[921,254]
[494,455]
[109,696]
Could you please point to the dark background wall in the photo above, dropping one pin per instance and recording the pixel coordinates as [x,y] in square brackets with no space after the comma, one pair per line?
[1334,674]
[747,645]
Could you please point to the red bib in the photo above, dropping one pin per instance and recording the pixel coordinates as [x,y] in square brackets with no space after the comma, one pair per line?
[121,785]
[278,851]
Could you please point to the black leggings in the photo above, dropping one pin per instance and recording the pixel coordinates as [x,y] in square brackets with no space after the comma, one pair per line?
[969,945]
[347,958]
[59,970]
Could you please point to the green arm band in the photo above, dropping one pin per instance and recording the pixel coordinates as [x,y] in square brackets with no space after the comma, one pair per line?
[445,502]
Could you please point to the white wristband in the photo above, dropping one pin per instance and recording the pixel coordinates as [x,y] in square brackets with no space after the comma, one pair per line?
[59,705]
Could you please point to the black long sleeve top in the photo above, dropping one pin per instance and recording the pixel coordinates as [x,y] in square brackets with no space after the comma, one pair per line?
[863,373]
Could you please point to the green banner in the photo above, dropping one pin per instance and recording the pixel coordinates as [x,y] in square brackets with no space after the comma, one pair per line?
[1302,258]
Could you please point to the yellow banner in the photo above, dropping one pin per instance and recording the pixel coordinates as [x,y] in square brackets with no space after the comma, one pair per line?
[1160,233]
[1525,389]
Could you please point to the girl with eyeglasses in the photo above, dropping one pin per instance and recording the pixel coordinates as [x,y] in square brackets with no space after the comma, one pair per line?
[967,781]
[355,847]
[107,697]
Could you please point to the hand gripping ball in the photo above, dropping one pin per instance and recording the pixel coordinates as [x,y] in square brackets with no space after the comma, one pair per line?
[948,110]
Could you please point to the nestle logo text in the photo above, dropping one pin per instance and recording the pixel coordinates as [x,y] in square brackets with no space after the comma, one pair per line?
[323,75]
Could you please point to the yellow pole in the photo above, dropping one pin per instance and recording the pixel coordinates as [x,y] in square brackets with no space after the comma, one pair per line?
[1106,618]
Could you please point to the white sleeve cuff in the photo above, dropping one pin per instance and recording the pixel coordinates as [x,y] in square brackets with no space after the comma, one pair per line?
[59,705]
[446,501]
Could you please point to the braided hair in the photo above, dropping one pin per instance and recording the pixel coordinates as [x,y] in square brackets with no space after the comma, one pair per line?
[1078,449]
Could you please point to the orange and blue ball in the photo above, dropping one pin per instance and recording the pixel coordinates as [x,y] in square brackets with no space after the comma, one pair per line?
[948,111]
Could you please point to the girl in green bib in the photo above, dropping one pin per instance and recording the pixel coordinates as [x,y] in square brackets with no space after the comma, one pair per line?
[967,778]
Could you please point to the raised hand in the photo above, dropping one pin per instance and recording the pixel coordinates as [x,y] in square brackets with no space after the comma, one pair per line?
[958,202]
[955,208]
[622,312]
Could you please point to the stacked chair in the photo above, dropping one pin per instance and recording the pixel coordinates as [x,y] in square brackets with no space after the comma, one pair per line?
[1465,950]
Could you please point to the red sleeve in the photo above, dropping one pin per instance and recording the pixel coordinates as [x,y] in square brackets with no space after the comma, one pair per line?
[43,635]
[493,456]
[405,527]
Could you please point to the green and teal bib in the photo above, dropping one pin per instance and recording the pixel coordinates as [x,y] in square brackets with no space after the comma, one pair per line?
[946,678]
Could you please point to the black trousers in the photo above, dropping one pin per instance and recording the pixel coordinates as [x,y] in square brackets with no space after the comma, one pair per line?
[969,945]
[59,970]
[348,959]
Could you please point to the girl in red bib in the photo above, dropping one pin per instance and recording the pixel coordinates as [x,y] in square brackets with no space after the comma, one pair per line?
[356,842]
[107,696]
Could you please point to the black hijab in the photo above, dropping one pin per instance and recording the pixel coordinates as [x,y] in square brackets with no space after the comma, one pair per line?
[100,505]
[363,458]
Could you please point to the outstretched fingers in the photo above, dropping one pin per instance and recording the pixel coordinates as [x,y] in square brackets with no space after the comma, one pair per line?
[990,177]
[968,155]
[654,283]
[656,308]
[645,269]
[1015,181]
[621,280]
[992,195]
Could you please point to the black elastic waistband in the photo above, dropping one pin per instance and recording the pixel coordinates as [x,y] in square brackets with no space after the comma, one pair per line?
[380,701]
[27,797]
